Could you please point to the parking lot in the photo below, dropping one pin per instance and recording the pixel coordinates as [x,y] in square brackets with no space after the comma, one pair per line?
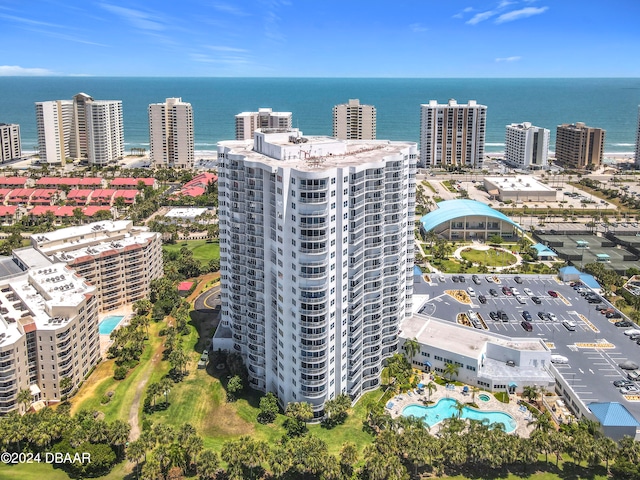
[594,349]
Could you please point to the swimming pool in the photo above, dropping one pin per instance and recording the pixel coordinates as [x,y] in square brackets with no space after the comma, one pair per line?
[107,324]
[484,397]
[445,408]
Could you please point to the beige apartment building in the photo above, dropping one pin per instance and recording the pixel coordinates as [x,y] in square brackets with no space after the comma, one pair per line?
[264,118]
[579,146]
[353,121]
[118,259]
[48,331]
[10,148]
[171,142]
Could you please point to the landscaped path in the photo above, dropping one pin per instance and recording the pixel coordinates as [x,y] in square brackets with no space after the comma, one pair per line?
[134,419]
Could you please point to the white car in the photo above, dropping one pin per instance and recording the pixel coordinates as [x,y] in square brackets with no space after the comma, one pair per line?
[441,278]
[559,359]
[489,279]
[631,331]
[552,317]
[471,292]
[515,292]
[528,291]
[521,299]
[631,389]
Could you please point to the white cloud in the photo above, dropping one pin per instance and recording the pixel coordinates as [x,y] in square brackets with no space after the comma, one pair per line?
[137,18]
[220,48]
[522,13]
[16,71]
[481,17]
[505,3]
[221,60]
[508,59]
[230,9]
[30,21]
[418,27]
[461,14]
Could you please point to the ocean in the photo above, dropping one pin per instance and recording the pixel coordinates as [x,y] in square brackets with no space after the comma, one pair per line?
[609,103]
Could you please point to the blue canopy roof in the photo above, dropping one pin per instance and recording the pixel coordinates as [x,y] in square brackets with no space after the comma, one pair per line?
[589,280]
[613,414]
[544,251]
[452,209]
[569,271]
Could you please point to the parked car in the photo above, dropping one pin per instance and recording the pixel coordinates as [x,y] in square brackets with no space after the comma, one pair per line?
[489,279]
[542,315]
[552,317]
[631,331]
[630,390]
[553,293]
[441,279]
[471,292]
[493,292]
[482,299]
[517,279]
[536,300]
[622,383]
[475,279]
[569,325]
[461,278]
[601,307]
[527,291]
[614,315]
[521,300]
[506,291]
[559,359]
[526,315]
[623,323]
[455,279]
[527,326]
[494,316]
[503,316]
[634,375]
[515,291]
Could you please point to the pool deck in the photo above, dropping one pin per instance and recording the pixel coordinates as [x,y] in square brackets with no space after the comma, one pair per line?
[521,417]
[126,312]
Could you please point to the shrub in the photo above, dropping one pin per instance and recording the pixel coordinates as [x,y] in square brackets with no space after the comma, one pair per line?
[120,372]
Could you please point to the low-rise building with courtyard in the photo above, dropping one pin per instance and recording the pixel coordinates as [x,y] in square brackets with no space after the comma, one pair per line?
[519,188]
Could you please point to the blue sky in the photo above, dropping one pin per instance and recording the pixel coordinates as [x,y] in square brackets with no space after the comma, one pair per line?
[321,38]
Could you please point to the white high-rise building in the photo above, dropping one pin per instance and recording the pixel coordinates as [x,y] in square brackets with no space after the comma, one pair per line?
[171,134]
[637,159]
[352,121]
[54,121]
[316,238]
[452,134]
[526,146]
[10,148]
[81,129]
[249,122]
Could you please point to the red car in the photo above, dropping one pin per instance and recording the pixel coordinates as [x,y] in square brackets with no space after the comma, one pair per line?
[553,294]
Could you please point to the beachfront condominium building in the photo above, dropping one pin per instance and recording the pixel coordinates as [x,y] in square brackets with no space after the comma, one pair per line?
[452,135]
[80,129]
[316,254]
[526,146]
[120,260]
[353,121]
[249,122]
[637,158]
[579,147]
[10,148]
[49,339]
[171,134]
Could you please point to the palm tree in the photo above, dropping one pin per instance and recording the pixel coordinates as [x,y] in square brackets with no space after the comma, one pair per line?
[207,465]
[459,408]
[451,370]
[412,347]
[530,392]
[119,433]
[25,398]
[136,450]
[431,387]
[607,449]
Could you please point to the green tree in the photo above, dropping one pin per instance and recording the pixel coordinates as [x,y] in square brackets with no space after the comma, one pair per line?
[431,387]
[234,386]
[268,408]
[25,398]
[207,465]
[411,347]
[451,370]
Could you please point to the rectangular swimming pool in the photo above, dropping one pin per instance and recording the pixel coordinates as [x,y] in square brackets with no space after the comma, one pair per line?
[107,325]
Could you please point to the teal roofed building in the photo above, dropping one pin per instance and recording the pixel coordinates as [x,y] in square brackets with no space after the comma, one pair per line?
[469,220]
[616,421]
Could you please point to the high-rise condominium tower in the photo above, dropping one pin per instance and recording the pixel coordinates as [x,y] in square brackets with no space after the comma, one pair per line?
[637,159]
[316,238]
[9,142]
[452,134]
[352,121]
[171,134]
[249,122]
[526,146]
[81,129]
[579,146]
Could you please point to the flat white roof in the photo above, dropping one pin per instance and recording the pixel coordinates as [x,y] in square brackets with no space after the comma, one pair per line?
[518,183]
[88,229]
[459,339]
[191,212]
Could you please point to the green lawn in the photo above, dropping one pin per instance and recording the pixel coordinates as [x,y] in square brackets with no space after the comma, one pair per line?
[203,250]
[490,258]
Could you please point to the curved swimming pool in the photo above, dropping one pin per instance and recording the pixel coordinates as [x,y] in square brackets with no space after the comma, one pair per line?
[445,408]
